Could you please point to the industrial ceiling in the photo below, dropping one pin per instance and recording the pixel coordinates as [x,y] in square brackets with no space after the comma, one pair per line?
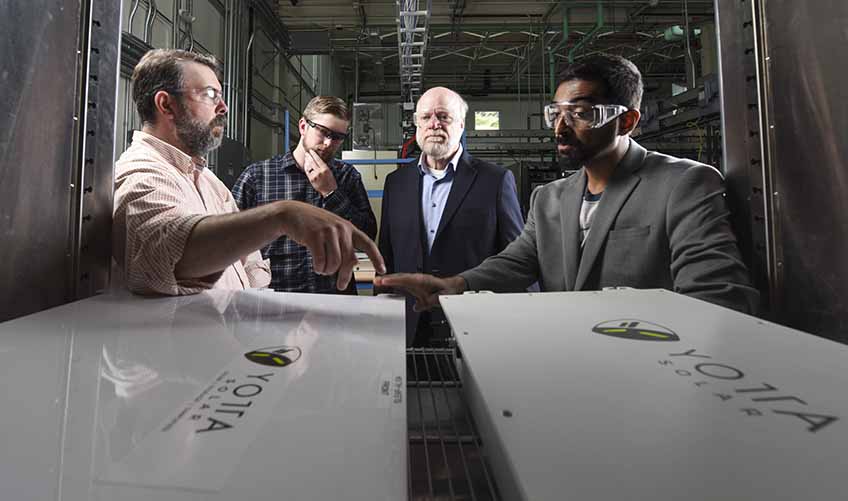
[489,47]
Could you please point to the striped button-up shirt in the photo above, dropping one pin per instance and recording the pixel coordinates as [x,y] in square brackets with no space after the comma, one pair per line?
[280,178]
[160,194]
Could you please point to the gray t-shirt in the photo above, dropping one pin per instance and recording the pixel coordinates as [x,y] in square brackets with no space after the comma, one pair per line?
[587,213]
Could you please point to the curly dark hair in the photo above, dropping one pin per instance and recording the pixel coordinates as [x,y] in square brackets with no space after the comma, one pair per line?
[619,76]
[161,69]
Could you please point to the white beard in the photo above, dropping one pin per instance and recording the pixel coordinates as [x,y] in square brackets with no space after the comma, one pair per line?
[438,150]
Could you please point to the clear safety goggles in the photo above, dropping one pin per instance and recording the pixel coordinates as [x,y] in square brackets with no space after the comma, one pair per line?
[582,116]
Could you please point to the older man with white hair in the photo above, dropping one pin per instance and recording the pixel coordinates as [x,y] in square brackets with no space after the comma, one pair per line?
[449,212]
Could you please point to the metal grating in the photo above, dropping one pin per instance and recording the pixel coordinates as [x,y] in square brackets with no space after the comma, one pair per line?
[445,451]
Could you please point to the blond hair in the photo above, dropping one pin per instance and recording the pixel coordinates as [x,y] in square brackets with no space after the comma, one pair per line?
[331,105]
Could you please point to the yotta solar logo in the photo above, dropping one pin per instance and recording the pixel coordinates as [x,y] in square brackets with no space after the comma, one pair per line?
[275,356]
[635,329]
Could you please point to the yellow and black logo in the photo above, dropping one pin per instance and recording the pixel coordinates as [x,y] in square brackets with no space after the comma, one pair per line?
[275,356]
[635,329]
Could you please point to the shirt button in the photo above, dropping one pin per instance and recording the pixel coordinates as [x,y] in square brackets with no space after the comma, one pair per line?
[432,231]
[434,205]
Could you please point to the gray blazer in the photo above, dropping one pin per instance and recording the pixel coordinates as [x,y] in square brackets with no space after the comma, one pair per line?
[662,223]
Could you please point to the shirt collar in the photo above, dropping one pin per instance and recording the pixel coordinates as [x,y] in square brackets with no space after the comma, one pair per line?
[288,162]
[170,153]
[453,164]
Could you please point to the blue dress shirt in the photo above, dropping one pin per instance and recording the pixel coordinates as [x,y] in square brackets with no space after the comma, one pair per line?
[434,194]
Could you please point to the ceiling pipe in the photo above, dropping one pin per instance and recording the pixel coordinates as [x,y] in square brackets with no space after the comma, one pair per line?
[599,24]
[588,38]
[562,42]
[356,77]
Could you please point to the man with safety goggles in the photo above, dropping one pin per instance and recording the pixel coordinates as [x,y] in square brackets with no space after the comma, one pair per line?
[309,174]
[582,115]
[628,217]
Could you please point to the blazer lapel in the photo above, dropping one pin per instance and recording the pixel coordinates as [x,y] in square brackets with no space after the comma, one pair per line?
[572,197]
[462,181]
[623,182]
[408,205]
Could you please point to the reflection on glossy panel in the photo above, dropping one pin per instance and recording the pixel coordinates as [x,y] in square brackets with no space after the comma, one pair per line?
[163,397]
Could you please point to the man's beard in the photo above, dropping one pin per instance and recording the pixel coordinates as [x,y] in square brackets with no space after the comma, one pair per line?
[437,150]
[199,138]
[575,157]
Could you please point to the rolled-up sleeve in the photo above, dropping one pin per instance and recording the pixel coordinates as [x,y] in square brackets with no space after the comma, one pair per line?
[151,226]
[258,270]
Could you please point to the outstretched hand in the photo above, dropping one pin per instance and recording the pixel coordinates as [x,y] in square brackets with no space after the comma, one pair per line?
[425,288]
[330,239]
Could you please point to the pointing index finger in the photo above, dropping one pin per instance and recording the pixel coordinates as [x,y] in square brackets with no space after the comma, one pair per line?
[366,245]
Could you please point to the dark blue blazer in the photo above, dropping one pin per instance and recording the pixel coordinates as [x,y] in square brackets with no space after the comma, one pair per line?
[481,216]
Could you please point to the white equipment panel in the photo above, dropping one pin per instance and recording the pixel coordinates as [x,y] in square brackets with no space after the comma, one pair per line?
[646,395]
[373,175]
[220,396]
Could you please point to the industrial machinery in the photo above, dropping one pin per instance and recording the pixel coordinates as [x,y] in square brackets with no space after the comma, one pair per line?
[222,395]
[687,124]
[600,395]
[648,394]
[265,395]
[368,126]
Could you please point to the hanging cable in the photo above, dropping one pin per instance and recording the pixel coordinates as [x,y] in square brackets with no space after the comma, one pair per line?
[691,83]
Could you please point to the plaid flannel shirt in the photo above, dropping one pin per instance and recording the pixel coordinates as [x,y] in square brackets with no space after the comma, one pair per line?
[279,178]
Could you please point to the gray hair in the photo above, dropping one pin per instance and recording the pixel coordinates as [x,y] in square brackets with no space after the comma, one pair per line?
[463,106]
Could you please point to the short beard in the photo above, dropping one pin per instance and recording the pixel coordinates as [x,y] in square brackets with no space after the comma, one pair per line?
[438,151]
[575,158]
[571,161]
[198,138]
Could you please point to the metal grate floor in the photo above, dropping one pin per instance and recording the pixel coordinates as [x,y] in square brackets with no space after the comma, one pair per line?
[445,451]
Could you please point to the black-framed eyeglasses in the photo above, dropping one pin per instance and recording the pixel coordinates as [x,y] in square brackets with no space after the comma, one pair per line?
[330,134]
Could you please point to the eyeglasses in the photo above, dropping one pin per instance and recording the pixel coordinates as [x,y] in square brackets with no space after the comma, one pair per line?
[424,118]
[330,134]
[209,94]
[582,116]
